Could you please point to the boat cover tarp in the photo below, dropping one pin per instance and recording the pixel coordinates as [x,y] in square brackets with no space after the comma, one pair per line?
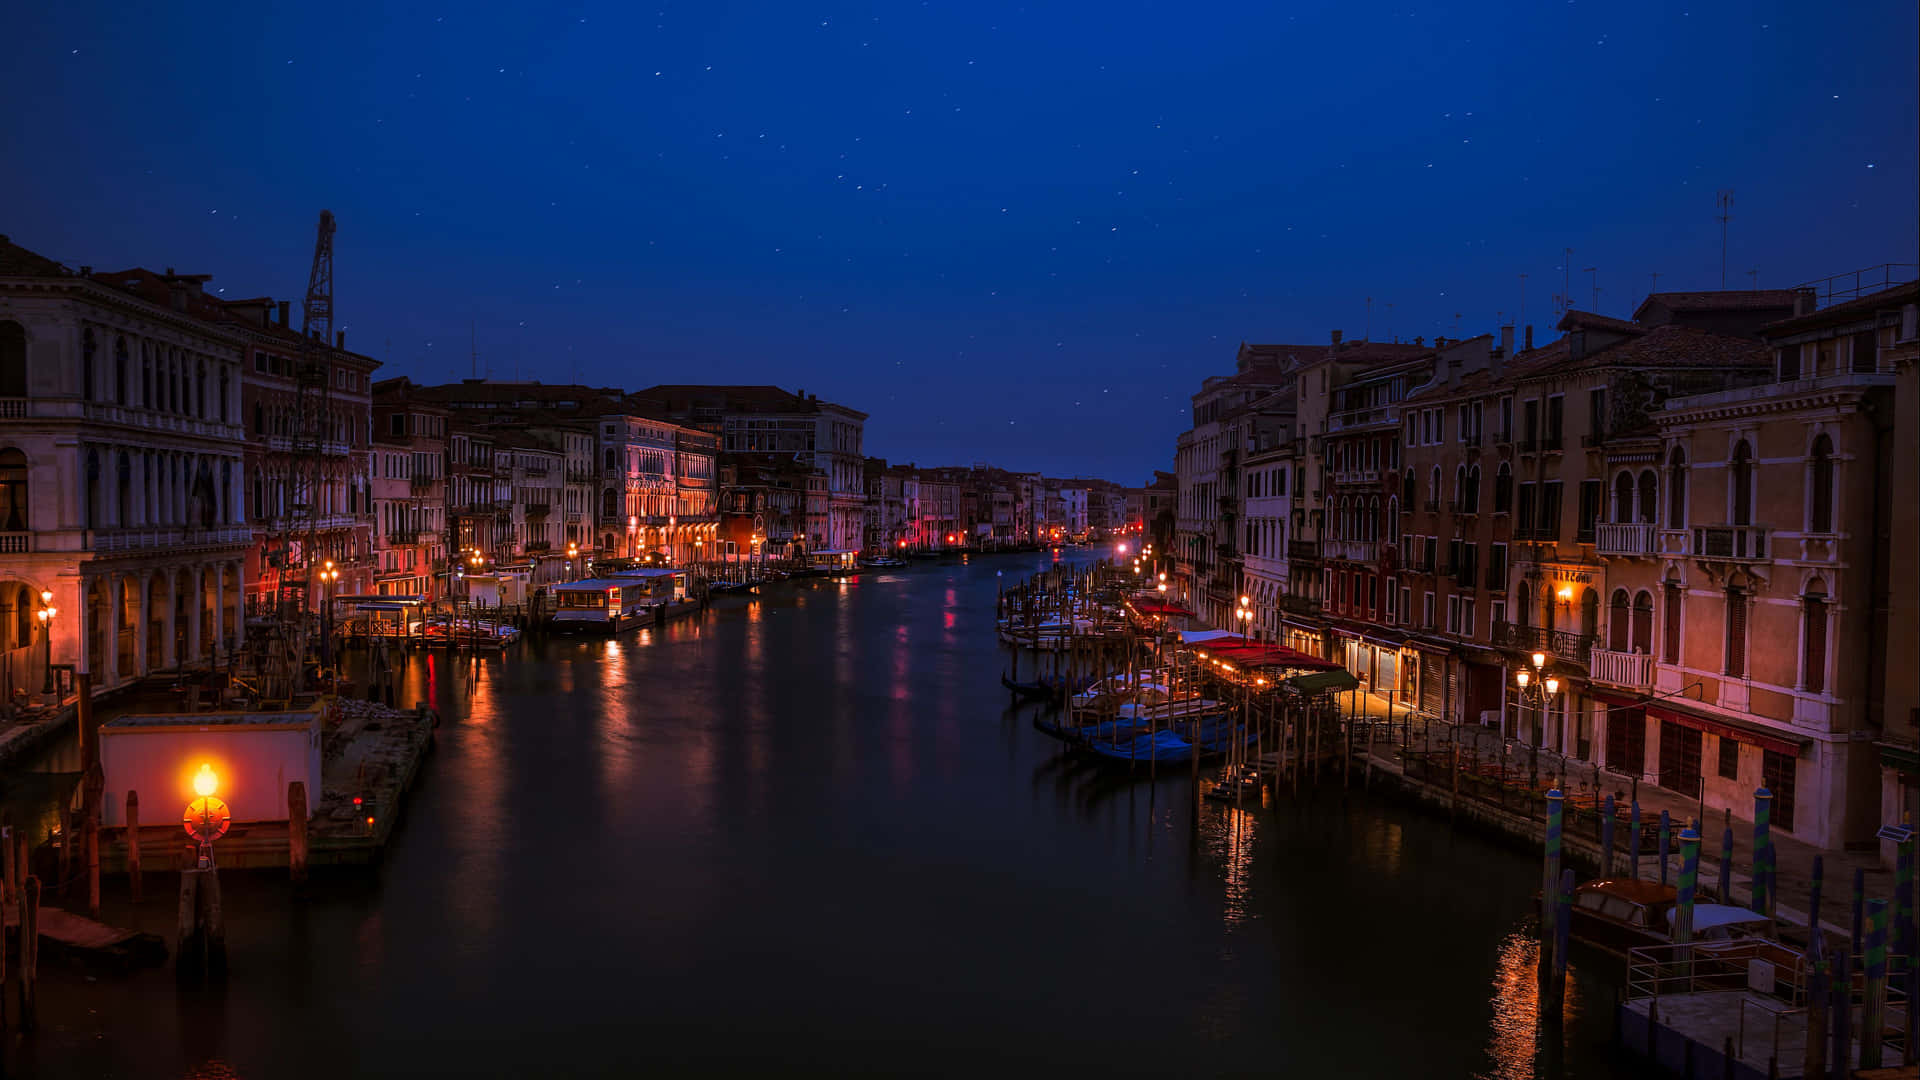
[1337,679]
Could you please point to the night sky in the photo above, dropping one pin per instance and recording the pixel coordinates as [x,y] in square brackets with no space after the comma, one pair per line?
[1017,233]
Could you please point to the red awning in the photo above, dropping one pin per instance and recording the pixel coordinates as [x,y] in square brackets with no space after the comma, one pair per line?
[1668,712]
[1153,605]
[1237,650]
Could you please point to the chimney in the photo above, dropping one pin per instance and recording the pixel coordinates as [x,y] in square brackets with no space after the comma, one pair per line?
[1336,339]
[176,292]
[1529,337]
[1805,301]
[340,341]
[1506,340]
[1420,340]
[85,271]
[284,306]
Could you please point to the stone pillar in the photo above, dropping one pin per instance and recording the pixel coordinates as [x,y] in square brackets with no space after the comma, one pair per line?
[239,602]
[83,623]
[194,613]
[141,661]
[116,610]
[168,633]
[219,607]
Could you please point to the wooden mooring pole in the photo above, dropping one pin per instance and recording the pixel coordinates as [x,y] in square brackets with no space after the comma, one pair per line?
[29,950]
[94,795]
[133,845]
[297,834]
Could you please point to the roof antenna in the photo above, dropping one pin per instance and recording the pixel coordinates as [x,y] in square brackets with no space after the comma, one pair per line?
[1366,334]
[1753,279]
[1656,283]
[473,331]
[1725,200]
[1564,302]
[1595,282]
[1522,316]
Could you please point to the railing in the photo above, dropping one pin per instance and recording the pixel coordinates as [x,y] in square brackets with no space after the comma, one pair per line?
[1352,550]
[1623,538]
[1747,542]
[15,543]
[403,536]
[105,540]
[13,408]
[1528,446]
[1357,476]
[1562,644]
[1551,444]
[1633,670]
[422,483]
[158,421]
[1352,418]
[1473,439]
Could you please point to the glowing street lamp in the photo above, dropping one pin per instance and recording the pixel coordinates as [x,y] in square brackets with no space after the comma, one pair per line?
[46,615]
[207,817]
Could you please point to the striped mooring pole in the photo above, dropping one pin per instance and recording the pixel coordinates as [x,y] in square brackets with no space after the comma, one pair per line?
[1873,1020]
[1606,839]
[1562,929]
[1550,877]
[1666,839]
[1840,1011]
[1859,910]
[1689,881]
[1762,886]
[1903,935]
[1633,840]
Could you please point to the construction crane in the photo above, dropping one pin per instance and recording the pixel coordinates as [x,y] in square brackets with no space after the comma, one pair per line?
[282,650]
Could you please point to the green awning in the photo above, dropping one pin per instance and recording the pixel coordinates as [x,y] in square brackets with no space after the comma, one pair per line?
[1337,679]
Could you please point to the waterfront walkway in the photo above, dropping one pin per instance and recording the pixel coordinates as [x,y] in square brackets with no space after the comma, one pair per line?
[1794,858]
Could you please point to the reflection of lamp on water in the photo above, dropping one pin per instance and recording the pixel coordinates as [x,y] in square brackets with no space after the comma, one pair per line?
[207,817]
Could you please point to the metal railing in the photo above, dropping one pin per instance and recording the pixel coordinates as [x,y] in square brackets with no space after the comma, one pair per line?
[105,540]
[1562,644]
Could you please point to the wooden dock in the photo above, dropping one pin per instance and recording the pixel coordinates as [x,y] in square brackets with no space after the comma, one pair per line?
[1737,1033]
[87,939]
[373,755]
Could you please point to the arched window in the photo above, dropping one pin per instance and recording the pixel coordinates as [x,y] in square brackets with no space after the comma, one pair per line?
[1460,485]
[1473,490]
[14,515]
[1373,519]
[1813,613]
[1623,497]
[1393,520]
[1740,483]
[1677,489]
[225,387]
[1649,496]
[119,366]
[610,504]
[1503,489]
[146,375]
[1643,623]
[13,360]
[1590,613]
[1433,487]
[1820,497]
[1618,615]
[259,419]
[1736,659]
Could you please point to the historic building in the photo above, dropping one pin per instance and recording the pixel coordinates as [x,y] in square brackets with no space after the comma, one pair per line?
[122,457]
[410,493]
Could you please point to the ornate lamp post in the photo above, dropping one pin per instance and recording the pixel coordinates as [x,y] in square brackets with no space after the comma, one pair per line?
[1541,688]
[573,553]
[207,817]
[46,616]
[329,578]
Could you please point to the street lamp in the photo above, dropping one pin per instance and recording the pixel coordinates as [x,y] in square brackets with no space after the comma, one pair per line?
[573,553]
[1540,688]
[46,616]
[328,578]
[207,816]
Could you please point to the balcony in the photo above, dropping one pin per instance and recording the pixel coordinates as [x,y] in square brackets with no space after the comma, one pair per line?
[1551,444]
[1736,543]
[158,421]
[13,408]
[1359,418]
[108,541]
[419,484]
[538,509]
[1560,644]
[16,543]
[287,444]
[1633,671]
[1623,539]
[1360,551]
[402,536]
[1306,550]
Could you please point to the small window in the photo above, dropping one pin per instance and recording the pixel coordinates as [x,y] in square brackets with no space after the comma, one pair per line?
[1729,759]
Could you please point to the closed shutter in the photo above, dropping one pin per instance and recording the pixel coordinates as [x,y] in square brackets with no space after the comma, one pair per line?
[1736,633]
[1816,674]
[1431,686]
[1453,685]
[1672,629]
[1777,772]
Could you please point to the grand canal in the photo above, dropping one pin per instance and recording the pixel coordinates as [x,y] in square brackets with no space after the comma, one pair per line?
[805,833]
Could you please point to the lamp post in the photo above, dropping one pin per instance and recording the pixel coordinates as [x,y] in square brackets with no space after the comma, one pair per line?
[207,816]
[46,616]
[1542,687]
[329,576]
[573,553]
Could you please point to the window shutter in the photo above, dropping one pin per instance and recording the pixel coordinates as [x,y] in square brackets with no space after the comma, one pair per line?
[1672,629]
[1736,633]
[1816,633]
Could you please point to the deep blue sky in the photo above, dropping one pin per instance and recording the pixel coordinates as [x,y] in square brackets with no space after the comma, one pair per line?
[1019,233]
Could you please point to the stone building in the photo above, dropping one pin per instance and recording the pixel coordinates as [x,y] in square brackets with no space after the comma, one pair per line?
[122,457]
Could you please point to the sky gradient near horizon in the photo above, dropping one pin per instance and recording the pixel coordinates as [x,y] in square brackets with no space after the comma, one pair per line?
[1018,233]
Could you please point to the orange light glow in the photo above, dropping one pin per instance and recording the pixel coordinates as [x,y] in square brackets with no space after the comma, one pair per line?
[205,782]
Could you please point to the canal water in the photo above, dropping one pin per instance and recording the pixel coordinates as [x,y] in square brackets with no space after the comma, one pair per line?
[805,832]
